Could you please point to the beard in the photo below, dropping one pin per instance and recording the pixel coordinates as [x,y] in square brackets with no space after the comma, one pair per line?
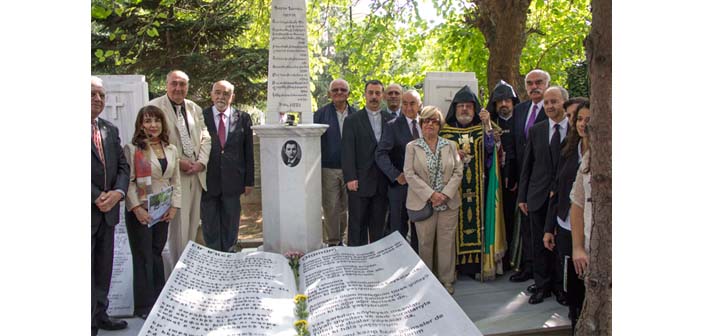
[464,119]
[505,112]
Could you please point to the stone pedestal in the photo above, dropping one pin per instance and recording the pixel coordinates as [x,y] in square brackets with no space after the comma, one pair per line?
[291,185]
[440,87]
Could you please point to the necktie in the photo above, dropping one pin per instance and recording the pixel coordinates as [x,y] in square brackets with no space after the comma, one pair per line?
[530,122]
[415,132]
[184,135]
[222,130]
[97,141]
[555,146]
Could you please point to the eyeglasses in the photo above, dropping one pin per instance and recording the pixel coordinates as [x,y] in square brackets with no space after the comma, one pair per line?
[431,121]
[337,90]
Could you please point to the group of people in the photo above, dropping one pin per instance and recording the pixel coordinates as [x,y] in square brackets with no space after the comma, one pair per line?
[450,183]
[476,192]
[204,157]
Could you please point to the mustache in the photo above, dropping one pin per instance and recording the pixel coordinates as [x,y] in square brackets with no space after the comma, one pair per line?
[535,91]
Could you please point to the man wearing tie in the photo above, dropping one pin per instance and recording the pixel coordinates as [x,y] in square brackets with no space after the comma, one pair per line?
[390,158]
[367,186]
[187,130]
[526,114]
[109,181]
[393,98]
[537,179]
[230,168]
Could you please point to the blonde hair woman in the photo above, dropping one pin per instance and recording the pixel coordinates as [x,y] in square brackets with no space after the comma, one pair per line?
[433,171]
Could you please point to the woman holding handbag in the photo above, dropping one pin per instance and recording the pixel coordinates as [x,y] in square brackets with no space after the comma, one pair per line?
[433,171]
[153,163]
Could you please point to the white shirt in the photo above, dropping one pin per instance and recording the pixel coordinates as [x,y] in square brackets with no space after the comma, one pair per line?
[409,124]
[227,115]
[562,130]
[376,121]
[539,105]
[340,116]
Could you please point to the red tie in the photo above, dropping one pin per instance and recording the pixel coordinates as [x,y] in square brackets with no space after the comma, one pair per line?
[222,130]
[97,141]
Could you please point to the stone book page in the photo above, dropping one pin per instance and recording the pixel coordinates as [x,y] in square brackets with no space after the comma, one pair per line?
[217,293]
[378,289]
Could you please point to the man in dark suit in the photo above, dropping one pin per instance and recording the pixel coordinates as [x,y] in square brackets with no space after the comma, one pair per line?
[537,179]
[334,198]
[390,158]
[230,169]
[367,186]
[109,182]
[526,114]
[501,107]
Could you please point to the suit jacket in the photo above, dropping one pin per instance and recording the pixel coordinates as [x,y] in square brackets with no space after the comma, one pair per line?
[417,175]
[390,153]
[537,175]
[358,154]
[331,139]
[159,180]
[114,175]
[231,166]
[198,132]
[559,203]
[521,112]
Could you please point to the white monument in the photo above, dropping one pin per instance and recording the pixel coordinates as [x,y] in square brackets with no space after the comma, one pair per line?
[125,95]
[291,183]
[440,87]
[121,293]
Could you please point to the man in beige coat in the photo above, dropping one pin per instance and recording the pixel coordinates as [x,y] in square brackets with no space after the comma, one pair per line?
[187,130]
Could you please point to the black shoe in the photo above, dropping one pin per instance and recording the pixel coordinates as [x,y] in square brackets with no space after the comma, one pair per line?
[561,297]
[110,324]
[531,289]
[539,296]
[520,277]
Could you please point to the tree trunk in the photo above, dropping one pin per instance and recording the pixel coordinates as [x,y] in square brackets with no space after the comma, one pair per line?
[596,316]
[503,23]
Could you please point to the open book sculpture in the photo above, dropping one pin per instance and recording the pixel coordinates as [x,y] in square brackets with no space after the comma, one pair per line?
[379,289]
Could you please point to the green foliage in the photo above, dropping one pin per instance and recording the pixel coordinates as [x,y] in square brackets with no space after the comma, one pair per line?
[554,43]
[578,82]
[202,38]
[215,39]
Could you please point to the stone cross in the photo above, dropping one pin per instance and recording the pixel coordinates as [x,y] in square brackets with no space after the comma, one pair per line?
[113,103]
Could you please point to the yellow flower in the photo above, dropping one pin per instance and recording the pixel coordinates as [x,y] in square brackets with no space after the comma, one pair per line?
[300,298]
[301,323]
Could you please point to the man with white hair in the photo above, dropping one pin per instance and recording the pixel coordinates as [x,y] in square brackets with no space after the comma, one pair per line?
[525,115]
[187,130]
[231,168]
[390,158]
[109,182]
[334,197]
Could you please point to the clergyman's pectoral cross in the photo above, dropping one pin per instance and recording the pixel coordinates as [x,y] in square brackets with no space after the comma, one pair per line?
[468,195]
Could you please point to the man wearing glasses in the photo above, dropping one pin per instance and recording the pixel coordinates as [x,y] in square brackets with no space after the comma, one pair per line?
[334,202]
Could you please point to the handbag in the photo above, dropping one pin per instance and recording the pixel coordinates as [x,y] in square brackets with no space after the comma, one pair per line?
[422,214]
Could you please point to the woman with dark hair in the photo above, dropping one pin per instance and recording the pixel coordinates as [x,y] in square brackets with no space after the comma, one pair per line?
[558,217]
[153,163]
[433,171]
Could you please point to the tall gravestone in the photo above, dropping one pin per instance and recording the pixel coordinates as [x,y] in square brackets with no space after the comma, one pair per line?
[291,182]
[124,96]
[440,87]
